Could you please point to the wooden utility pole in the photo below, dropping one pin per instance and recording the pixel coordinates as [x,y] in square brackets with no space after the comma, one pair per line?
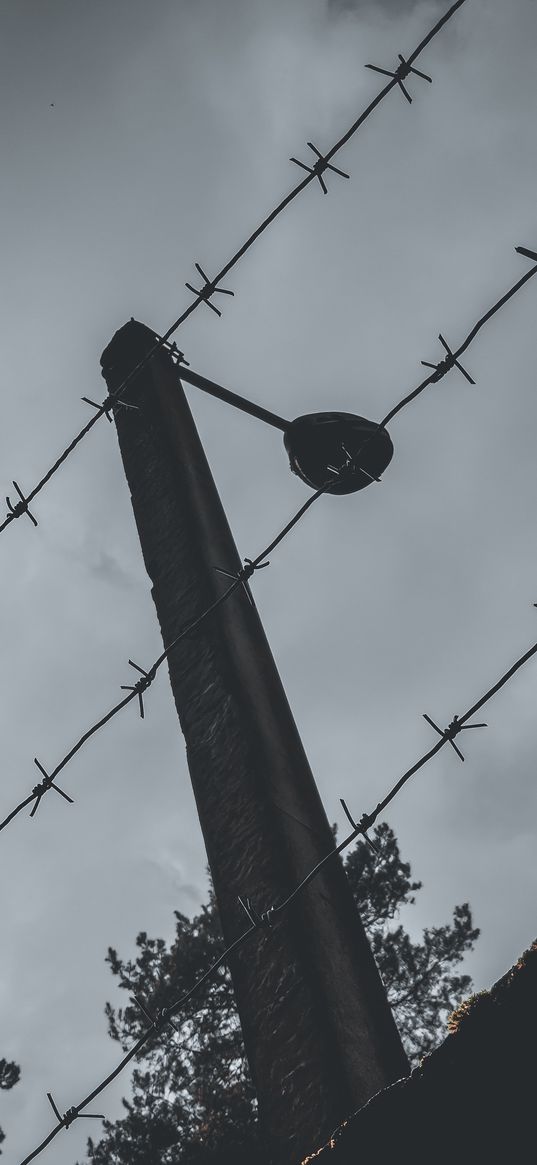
[319,1033]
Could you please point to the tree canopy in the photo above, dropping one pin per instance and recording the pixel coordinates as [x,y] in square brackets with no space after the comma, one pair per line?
[192,1101]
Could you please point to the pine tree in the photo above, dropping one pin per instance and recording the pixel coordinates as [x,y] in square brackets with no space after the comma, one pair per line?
[193,1101]
[9,1075]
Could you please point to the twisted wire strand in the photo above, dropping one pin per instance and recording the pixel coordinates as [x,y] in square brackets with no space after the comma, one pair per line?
[463,347]
[266,920]
[188,630]
[392,84]
[202,297]
[369,819]
[141,1041]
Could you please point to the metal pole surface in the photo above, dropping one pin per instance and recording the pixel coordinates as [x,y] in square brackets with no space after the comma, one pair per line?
[233,398]
[319,1033]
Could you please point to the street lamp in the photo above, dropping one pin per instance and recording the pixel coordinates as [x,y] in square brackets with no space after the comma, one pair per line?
[346,450]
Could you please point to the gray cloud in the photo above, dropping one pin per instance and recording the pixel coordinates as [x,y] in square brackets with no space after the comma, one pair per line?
[107,568]
[396,7]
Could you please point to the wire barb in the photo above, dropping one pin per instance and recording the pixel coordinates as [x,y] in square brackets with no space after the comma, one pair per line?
[20,507]
[175,353]
[244,574]
[72,1114]
[43,787]
[159,1019]
[349,466]
[261,921]
[109,404]
[210,288]
[450,361]
[141,685]
[452,730]
[362,826]
[319,167]
[401,73]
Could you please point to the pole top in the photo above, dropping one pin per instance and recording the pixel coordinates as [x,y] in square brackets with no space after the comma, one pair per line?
[128,345]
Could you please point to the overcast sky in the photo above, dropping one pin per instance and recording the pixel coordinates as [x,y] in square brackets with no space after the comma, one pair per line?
[140,138]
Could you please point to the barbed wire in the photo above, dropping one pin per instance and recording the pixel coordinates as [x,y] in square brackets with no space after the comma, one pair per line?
[137,690]
[451,359]
[350,465]
[264,919]
[267,918]
[210,287]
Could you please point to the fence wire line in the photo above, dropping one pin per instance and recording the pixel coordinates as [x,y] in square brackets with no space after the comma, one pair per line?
[265,920]
[450,361]
[315,173]
[146,677]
